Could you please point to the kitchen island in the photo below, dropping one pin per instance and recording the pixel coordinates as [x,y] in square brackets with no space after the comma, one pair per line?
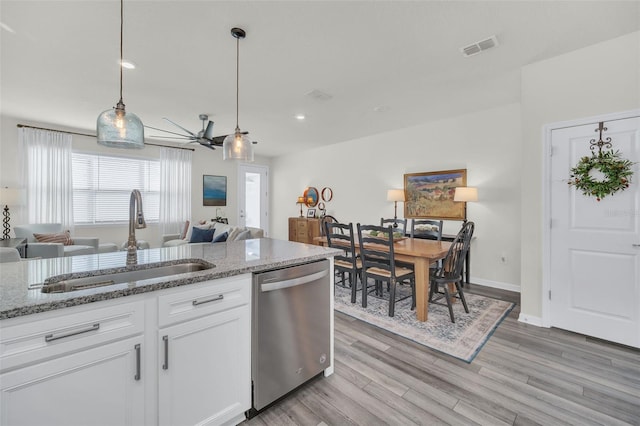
[168,350]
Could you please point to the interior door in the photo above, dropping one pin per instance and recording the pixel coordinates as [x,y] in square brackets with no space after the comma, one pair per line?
[253,201]
[595,252]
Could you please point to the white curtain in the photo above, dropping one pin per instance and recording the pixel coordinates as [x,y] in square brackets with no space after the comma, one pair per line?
[46,158]
[175,189]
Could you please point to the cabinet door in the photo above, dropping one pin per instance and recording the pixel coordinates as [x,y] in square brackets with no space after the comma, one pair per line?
[205,369]
[93,387]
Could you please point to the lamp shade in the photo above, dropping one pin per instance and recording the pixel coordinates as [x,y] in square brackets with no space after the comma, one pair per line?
[237,147]
[395,195]
[300,200]
[466,193]
[10,197]
[119,129]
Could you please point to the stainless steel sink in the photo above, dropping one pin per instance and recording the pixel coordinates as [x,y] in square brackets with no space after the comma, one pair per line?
[100,278]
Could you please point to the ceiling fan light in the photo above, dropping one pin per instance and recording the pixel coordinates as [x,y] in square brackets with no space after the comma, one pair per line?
[237,147]
[117,128]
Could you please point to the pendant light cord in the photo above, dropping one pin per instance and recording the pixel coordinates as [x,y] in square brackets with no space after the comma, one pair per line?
[237,82]
[121,37]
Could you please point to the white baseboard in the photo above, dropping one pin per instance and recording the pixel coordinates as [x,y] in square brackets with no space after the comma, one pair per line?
[529,319]
[495,284]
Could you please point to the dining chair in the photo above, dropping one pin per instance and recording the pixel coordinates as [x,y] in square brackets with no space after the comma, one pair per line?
[378,263]
[341,236]
[450,272]
[428,229]
[327,219]
[399,225]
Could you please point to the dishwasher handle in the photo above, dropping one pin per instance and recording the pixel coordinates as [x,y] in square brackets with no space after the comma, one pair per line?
[279,285]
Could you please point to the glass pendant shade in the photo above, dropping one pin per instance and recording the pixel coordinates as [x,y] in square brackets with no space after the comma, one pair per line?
[237,147]
[119,129]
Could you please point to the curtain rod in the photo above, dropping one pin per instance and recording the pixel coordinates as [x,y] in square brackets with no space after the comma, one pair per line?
[93,136]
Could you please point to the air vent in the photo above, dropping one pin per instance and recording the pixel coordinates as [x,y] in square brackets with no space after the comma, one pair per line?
[479,46]
[319,95]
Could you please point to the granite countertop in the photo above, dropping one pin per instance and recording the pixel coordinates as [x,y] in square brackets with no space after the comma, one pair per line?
[21,282]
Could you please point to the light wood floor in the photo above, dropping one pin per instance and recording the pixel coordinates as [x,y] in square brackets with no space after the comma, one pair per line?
[524,375]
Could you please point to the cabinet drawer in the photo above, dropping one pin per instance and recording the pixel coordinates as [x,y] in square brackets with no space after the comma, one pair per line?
[203,299]
[302,226]
[57,333]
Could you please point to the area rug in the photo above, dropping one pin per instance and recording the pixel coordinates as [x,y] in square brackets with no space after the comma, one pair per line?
[462,339]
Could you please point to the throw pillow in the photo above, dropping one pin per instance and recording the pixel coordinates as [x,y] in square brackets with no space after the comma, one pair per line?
[234,233]
[221,238]
[244,235]
[199,235]
[183,234]
[62,237]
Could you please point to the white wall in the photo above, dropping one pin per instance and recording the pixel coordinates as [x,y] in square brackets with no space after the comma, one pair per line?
[205,161]
[486,143]
[599,79]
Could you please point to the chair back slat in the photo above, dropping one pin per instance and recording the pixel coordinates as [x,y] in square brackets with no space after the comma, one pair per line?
[376,250]
[451,268]
[341,236]
[401,224]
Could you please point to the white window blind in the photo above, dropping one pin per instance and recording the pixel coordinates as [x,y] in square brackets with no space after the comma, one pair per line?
[102,187]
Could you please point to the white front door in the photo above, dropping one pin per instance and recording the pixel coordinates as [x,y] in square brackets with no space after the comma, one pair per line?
[253,201]
[594,245]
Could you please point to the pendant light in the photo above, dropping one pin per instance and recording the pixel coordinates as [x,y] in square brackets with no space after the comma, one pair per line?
[117,128]
[237,146]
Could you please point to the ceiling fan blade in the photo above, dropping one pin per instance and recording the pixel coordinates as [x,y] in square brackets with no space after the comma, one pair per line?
[166,131]
[188,138]
[208,133]
[179,126]
[210,146]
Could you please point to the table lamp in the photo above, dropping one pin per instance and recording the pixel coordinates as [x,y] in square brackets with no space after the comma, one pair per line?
[301,202]
[395,195]
[465,194]
[8,197]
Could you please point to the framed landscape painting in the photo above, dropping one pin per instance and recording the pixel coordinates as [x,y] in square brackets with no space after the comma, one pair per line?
[430,195]
[214,190]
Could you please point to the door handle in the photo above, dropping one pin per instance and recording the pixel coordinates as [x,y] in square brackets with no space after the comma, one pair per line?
[635,245]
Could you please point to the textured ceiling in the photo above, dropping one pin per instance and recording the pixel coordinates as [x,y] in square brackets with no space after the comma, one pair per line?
[386,64]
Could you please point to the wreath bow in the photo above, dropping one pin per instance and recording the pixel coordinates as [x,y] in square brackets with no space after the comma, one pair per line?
[617,172]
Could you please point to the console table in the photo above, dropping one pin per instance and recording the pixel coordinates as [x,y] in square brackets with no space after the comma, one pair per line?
[19,244]
[304,230]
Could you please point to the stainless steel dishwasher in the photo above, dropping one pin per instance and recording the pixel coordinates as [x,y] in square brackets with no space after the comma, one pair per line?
[290,329]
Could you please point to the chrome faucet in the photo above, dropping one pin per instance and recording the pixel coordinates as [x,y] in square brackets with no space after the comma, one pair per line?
[136,221]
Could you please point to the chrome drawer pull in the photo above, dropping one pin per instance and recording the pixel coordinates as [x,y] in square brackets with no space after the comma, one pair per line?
[213,299]
[137,376]
[165,366]
[51,337]
[635,245]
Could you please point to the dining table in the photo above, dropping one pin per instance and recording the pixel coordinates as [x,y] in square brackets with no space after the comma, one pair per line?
[421,253]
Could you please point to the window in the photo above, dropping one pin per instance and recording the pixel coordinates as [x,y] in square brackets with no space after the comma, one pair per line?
[102,187]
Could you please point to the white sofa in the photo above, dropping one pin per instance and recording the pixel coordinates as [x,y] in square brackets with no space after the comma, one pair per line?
[234,233]
[80,246]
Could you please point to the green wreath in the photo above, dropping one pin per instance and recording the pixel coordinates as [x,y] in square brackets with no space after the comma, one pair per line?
[616,170]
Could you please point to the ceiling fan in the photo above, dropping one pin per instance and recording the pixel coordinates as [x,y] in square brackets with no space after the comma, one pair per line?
[204,137]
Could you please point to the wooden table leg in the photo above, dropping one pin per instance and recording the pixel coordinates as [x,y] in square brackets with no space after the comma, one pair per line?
[421,266]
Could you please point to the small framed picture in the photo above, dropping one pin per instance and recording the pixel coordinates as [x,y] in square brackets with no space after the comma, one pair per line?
[311,213]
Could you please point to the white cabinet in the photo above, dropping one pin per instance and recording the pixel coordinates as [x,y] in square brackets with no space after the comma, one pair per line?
[105,363]
[73,367]
[205,363]
[93,387]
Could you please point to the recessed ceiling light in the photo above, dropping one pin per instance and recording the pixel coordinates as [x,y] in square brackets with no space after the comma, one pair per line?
[300,117]
[382,108]
[128,64]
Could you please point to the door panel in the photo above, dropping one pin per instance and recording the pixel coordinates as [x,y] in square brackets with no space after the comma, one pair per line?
[253,203]
[595,267]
